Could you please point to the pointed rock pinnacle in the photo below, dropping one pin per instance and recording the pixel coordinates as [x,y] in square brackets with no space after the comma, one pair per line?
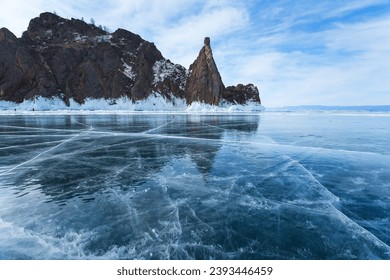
[204,83]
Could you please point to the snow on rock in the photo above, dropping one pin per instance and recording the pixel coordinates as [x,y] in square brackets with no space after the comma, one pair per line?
[128,71]
[164,69]
[79,38]
[102,38]
[95,39]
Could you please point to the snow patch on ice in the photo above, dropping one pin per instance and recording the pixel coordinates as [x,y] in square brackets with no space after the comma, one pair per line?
[155,102]
[225,107]
[39,104]
[36,245]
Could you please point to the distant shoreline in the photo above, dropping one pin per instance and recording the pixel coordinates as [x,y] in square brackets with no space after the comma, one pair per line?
[323,108]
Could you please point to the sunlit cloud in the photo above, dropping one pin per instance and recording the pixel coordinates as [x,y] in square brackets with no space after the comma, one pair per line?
[185,39]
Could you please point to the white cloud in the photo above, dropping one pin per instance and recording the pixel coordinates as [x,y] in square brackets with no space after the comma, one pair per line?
[145,17]
[15,15]
[372,35]
[349,66]
[341,8]
[184,40]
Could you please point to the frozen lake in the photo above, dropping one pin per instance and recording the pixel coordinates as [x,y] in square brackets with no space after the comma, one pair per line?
[195,186]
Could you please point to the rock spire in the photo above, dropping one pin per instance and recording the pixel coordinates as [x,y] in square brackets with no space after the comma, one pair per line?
[204,83]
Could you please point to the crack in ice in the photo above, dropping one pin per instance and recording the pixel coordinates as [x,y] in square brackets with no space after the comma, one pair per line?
[157,128]
[44,152]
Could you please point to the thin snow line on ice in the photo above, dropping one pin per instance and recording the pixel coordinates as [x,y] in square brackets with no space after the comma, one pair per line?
[96,148]
[38,128]
[343,217]
[157,128]
[40,154]
[29,145]
[276,145]
[213,126]
[83,124]
[22,136]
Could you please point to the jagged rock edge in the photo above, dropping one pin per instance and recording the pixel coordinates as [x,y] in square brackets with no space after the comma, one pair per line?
[172,82]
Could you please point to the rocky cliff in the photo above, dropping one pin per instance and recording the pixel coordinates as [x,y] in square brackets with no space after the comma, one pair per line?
[204,82]
[71,59]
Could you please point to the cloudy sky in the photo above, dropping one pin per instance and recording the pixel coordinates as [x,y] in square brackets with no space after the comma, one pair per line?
[298,52]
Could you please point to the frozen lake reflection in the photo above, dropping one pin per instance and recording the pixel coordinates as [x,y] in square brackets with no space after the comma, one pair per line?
[192,186]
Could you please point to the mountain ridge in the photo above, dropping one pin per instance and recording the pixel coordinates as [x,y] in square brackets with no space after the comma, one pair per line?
[70,59]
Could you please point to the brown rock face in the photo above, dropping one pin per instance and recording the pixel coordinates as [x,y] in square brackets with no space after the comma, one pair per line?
[204,83]
[70,59]
[20,76]
[241,94]
[64,58]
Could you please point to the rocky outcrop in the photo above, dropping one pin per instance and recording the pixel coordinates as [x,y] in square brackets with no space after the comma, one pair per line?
[71,59]
[21,77]
[204,83]
[241,94]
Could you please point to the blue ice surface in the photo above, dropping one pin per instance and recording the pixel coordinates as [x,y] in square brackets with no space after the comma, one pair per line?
[273,185]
